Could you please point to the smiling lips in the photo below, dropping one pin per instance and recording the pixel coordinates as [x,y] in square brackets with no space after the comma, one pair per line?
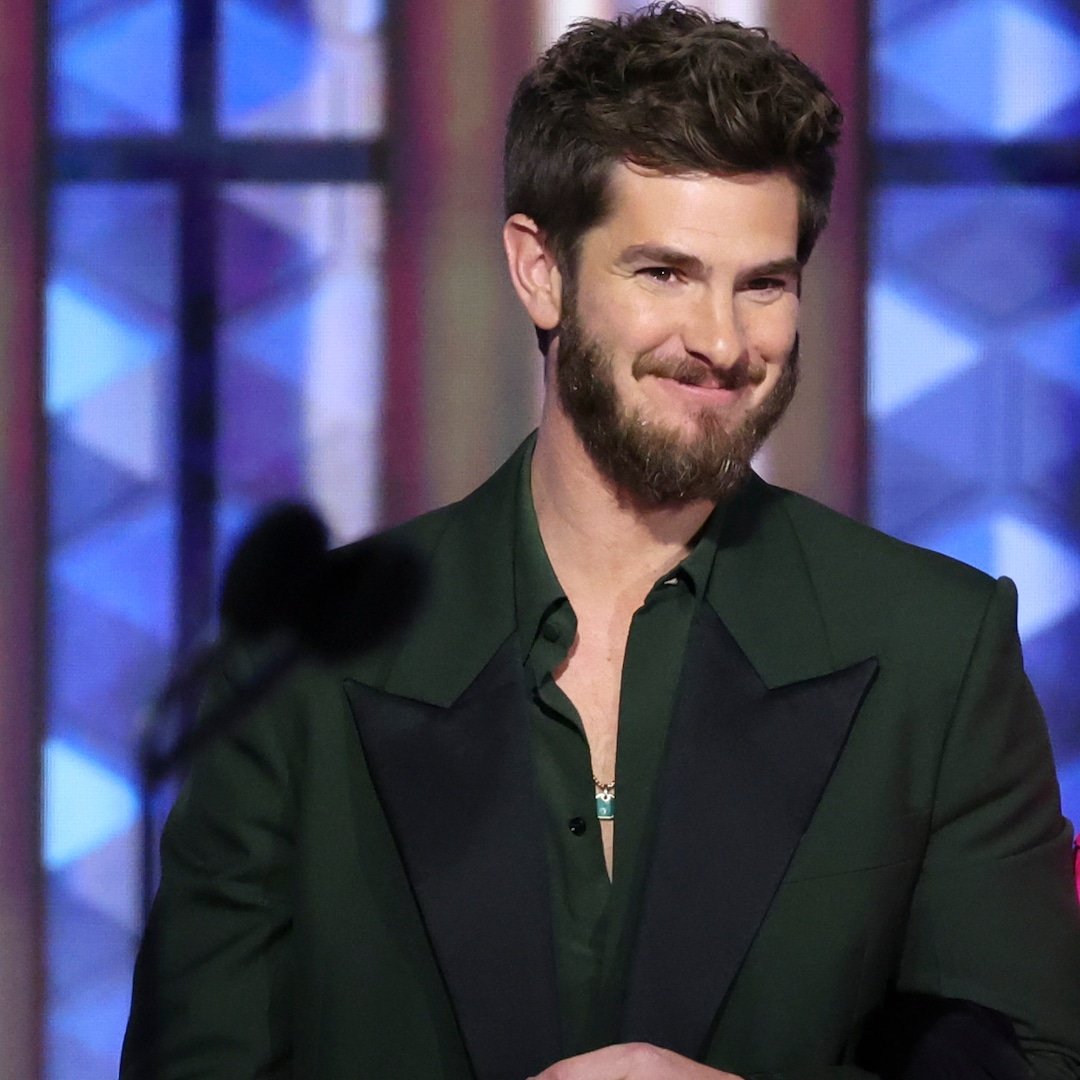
[696,374]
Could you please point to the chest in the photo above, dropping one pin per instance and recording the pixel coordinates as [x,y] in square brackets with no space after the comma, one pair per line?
[591,673]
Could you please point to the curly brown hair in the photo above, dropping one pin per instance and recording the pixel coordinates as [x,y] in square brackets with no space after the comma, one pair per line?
[668,88]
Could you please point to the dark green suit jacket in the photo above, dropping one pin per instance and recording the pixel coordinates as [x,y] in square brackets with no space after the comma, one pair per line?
[857,797]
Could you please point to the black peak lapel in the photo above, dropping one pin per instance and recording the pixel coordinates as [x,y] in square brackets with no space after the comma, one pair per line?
[745,769]
[456,786]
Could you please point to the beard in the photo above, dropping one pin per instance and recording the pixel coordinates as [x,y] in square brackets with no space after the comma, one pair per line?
[656,464]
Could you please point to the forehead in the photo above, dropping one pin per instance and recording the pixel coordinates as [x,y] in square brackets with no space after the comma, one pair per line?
[754,215]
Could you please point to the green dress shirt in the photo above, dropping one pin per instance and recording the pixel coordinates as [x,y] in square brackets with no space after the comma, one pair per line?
[592,915]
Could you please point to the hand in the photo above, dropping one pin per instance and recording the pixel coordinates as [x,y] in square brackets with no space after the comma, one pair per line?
[631,1061]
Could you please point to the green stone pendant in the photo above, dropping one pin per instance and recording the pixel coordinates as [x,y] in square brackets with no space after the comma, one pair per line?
[605,801]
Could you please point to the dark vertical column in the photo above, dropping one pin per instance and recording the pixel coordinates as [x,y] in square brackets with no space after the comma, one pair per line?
[821,448]
[22,500]
[197,371]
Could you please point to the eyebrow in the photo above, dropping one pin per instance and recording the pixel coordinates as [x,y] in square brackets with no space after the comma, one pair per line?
[691,264]
[665,256]
[777,268]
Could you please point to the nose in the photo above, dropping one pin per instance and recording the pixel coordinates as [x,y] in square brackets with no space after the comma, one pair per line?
[714,331]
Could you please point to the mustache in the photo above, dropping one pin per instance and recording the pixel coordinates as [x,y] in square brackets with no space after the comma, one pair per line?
[699,373]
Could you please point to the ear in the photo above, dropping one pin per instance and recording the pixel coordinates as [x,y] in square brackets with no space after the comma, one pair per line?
[533,271]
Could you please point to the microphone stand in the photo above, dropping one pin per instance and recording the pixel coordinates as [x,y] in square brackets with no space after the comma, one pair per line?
[283,590]
[164,749]
[267,591]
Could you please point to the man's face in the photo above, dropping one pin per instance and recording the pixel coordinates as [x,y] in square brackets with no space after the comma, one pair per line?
[677,343]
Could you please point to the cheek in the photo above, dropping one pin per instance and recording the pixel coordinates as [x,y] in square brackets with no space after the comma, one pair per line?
[613,314]
[628,327]
[773,331]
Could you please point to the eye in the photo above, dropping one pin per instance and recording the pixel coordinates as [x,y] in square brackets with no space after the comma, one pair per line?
[766,284]
[663,275]
[767,288]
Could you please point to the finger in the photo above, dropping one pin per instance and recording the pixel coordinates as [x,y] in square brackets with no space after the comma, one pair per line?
[609,1063]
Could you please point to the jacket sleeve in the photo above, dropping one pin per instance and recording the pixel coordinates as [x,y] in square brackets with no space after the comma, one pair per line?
[919,1037]
[210,998]
[994,916]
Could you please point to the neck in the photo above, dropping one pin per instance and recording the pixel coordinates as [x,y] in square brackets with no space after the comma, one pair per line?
[599,538]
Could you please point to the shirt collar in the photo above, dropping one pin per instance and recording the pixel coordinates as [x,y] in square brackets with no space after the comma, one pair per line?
[537,591]
[697,568]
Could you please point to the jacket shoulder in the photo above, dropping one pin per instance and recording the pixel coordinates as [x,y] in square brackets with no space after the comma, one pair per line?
[416,585]
[423,534]
[893,589]
[834,542]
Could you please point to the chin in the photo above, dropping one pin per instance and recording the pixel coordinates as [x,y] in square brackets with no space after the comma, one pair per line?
[692,429]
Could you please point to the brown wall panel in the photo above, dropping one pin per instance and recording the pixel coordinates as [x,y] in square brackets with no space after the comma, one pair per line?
[463,369]
[820,448]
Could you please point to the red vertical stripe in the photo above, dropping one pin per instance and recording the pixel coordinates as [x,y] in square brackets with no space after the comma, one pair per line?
[821,449]
[446,130]
[21,547]
[416,160]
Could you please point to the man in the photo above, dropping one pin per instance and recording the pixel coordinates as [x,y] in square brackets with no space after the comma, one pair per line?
[668,773]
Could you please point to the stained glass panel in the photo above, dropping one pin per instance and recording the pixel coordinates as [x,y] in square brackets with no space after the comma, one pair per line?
[301,364]
[974,321]
[110,337]
[115,66]
[302,69]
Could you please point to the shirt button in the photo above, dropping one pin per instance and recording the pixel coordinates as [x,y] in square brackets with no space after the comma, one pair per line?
[550,632]
[576,825]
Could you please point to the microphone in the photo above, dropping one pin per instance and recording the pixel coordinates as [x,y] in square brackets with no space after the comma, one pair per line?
[285,592]
[262,593]
[282,578]
[273,573]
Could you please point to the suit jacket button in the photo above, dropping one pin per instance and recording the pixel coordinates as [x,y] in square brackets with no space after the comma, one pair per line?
[576,825]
